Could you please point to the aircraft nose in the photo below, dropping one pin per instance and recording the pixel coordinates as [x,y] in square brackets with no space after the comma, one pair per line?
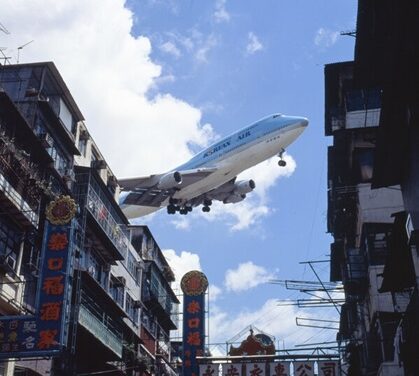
[303,122]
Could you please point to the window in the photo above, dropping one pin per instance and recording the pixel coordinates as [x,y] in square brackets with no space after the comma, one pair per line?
[116,291]
[65,116]
[132,266]
[10,240]
[131,309]
[82,146]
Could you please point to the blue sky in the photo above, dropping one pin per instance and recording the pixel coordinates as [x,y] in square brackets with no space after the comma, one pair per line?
[157,80]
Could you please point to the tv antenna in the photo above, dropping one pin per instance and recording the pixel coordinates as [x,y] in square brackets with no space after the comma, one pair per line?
[20,48]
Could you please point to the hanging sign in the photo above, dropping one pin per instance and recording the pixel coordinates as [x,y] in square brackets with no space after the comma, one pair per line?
[193,284]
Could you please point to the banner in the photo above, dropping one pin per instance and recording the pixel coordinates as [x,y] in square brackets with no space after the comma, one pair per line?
[304,368]
[232,369]
[208,369]
[45,333]
[194,285]
[328,368]
[279,369]
[255,369]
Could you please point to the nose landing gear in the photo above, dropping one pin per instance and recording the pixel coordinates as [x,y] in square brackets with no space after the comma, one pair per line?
[281,162]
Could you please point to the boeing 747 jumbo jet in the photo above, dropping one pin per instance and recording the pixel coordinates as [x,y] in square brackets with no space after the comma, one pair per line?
[212,173]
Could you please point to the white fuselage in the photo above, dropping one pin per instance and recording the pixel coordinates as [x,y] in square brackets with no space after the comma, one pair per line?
[237,161]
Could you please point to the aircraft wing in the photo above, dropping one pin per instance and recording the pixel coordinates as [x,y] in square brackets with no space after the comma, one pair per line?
[153,190]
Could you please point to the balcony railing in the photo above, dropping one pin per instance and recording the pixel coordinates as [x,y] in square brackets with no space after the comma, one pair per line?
[97,322]
[14,196]
[104,218]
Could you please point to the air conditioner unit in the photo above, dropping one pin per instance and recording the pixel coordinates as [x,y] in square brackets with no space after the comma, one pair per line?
[7,263]
[11,262]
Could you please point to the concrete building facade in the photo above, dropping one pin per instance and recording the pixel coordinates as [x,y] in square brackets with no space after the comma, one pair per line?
[120,273]
[371,108]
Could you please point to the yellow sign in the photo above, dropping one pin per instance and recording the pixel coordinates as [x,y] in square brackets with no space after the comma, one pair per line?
[61,211]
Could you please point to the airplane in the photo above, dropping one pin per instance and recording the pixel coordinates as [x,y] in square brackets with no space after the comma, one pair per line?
[212,173]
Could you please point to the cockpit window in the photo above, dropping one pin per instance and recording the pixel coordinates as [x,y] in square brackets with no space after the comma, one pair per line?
[276,115]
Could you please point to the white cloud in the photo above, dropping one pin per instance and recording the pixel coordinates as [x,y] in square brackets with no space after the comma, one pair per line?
[253,44]
[183,263]
[246,276]
[171,49]
[325,38]
[221,14]
[214,292]
[181,223]
[201,54]
[109,72]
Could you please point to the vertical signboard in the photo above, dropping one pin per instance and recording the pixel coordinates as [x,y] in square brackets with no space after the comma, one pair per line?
[44,334]
[193,284]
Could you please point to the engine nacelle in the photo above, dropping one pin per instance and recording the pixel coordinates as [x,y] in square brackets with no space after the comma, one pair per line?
[244,186]
[232,199]
[170,180]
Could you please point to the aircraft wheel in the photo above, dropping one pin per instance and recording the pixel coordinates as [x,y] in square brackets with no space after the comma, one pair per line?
[189,208]
[206,209]
[282,163]
[207,202]
[171,209]
[183,211]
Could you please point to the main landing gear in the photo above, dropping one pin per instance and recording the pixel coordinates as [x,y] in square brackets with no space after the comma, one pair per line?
[281,162]
[206,208]
[172,209]
[174,206]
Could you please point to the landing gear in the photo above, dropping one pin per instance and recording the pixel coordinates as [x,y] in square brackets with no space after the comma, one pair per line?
[171,209]
[173,201]
[206,209]
[206,205]
[281,162]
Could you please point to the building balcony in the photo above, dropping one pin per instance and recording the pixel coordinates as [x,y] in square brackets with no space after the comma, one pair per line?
[109,226]
[100,325]
[16,205]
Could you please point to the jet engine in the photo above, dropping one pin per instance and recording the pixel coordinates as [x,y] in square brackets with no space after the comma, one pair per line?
[170,180]
[244,186]
[232,199]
